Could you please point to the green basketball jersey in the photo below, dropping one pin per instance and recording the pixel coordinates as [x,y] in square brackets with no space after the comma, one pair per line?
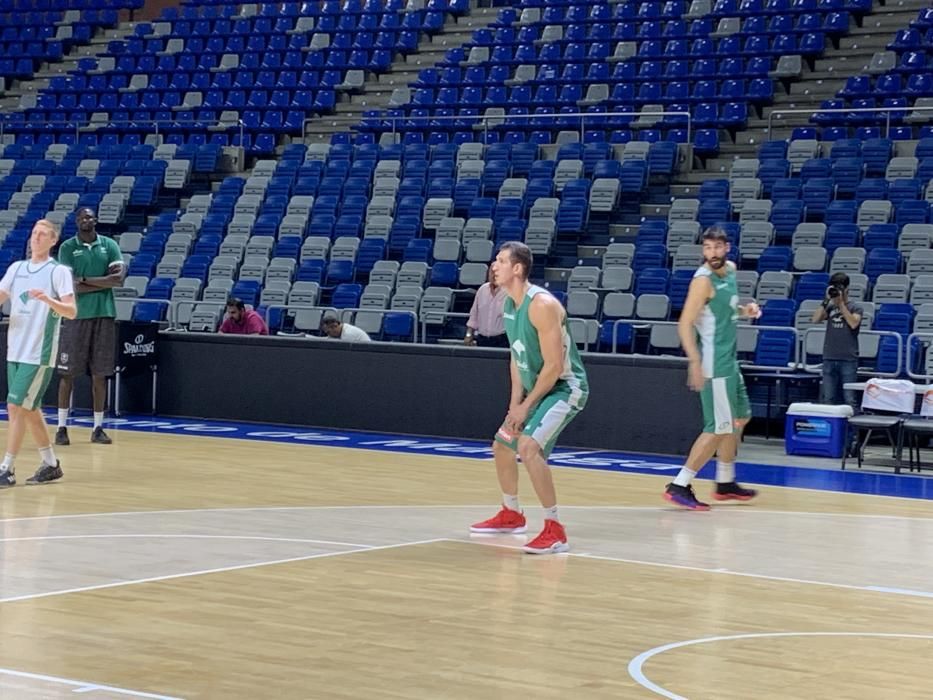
[717,322]
[526,351]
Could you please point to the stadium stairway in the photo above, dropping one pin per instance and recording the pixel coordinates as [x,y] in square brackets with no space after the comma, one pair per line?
[828,76]
[378,88]
[22,94]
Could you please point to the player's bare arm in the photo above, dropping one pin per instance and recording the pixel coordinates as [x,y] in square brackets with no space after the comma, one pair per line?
[114,278]
[515,400]
[699,293]
[64,307]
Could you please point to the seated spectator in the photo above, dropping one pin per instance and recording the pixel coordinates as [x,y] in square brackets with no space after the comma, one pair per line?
[242,321]
[334,328]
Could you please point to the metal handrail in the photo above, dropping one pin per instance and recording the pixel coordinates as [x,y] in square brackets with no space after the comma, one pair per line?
[443,315]
[299,307]
[383,312]
[341,313]
[500,119]
[91,127]
[910,373]
[817,368]
[853,110]
[647,323]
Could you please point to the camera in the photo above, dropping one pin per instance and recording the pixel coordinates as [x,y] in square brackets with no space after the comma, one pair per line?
[834,290]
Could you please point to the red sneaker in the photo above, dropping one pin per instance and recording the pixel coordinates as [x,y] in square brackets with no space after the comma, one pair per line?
[504,522]
[552,540]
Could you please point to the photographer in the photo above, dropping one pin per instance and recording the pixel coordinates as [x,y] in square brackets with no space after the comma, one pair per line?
[840,345]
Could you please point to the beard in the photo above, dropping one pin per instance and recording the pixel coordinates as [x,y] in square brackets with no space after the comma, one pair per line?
[716,263]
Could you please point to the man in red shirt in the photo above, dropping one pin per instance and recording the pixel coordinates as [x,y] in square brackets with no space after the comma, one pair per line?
[242,321]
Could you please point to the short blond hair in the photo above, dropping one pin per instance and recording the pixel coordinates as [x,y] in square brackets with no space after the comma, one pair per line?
[50,225]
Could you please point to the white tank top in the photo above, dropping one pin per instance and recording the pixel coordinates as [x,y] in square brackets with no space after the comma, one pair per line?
[34,327]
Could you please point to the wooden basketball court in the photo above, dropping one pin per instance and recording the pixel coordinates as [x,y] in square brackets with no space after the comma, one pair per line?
[170,566]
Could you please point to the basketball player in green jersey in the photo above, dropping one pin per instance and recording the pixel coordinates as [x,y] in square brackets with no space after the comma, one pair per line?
[549,388]
[710,314]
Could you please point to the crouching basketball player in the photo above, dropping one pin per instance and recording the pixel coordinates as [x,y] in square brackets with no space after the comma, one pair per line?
[549,388]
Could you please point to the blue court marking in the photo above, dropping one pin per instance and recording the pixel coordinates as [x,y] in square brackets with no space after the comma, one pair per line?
[856,482]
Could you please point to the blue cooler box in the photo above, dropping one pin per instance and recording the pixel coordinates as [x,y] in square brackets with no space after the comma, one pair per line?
[816,430]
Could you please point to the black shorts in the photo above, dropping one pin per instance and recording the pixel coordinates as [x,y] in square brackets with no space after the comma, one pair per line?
[87,344]
[492,341]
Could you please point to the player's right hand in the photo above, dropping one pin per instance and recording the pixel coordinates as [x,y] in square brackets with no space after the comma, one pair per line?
[695,379]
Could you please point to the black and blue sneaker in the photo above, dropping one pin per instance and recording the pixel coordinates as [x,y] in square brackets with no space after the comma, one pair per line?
[7,479]
[45,473]
[684,497]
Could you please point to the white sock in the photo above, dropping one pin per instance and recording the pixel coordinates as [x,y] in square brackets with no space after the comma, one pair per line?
[48,456]
[7,462]
[98,419]
[725,472]
[62,417]
[551,514]
[684,477]
[511,502]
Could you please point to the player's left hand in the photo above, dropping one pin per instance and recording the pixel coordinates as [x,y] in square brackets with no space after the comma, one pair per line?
[39,294]
[752,310]
[517,416]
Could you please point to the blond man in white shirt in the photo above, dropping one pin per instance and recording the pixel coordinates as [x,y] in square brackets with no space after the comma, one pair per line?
[41,293]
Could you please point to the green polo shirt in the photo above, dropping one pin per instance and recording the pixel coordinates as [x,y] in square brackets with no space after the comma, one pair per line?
[92,260]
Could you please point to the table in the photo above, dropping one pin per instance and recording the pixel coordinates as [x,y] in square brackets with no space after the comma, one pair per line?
[778,380]
[860,386]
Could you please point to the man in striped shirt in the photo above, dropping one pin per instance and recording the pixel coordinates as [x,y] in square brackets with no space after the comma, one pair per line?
[485,327]
[41,292]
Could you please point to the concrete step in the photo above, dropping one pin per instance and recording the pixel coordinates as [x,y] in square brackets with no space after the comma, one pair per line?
[689,190]
[754,136]
[425,59]
[375,90]
[851,63]
[655,210]
[877,24]
[449,39]
[876,41]
[622,231]
[721,163]
[817,86]
[398,78]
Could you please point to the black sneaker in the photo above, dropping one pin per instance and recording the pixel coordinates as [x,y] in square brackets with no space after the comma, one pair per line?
[684,497]
[733,492]
[7,479]
[61,437]
[45,473]
[100,437]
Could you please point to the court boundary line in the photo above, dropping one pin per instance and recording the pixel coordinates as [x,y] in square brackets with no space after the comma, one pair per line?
[637,663]
[182,536]
[85,687]
[247,509]
[707,570]
[216,570]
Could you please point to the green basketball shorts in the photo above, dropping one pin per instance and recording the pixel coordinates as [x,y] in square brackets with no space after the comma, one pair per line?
[26,384]
[545,423]
[725,401]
